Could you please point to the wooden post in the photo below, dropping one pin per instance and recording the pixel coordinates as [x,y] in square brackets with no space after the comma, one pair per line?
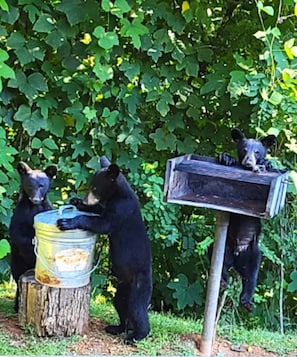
[53,311]
[213,288]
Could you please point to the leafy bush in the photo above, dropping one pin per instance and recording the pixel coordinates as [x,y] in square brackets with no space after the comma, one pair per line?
[142,82]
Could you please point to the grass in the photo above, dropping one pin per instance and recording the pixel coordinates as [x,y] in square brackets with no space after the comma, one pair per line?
[170,335]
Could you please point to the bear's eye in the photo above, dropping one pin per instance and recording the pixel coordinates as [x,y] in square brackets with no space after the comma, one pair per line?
[257,152]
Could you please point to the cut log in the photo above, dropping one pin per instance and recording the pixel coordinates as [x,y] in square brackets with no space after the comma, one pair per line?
[52,311]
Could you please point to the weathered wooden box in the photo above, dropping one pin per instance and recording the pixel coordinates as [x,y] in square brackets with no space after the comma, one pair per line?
[202,182]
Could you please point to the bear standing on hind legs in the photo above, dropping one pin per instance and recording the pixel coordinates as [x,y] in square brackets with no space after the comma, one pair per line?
[242,250]
[35,185]
[130,254]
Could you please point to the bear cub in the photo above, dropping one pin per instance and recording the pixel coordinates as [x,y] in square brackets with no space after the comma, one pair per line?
[34,187]
[242,250]
[111,197]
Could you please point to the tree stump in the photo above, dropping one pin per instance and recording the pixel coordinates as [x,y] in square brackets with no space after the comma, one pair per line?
[53,311]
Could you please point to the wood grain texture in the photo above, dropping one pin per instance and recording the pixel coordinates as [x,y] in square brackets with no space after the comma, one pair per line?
[53,311]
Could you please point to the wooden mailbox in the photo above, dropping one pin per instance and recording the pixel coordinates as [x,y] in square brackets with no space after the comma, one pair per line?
[202,182]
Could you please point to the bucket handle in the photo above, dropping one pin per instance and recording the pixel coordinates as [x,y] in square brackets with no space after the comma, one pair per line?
[34,241]
[66,208]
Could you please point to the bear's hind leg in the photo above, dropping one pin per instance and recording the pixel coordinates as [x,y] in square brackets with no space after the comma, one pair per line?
[121,301]
[141,291]
[227,264]
[247,263]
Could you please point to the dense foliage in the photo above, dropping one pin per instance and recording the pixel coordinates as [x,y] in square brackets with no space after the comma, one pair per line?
[142,81]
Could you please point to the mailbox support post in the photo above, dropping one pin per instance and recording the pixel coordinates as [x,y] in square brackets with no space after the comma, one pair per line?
[213,287]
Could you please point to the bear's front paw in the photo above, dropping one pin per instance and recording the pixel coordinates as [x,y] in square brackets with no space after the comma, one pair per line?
[226,159]
[75,201]
[65,224]
[268,165]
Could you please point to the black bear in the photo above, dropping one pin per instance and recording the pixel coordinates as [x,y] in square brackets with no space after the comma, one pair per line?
[242,250]
[34,187]
[111,197]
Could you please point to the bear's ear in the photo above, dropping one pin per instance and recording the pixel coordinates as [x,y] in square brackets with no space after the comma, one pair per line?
[237,135]
[113,171]
[268,141]
[23,168]
[104,162]
[51,171]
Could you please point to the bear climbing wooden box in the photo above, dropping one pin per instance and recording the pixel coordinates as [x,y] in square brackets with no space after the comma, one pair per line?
[203,182]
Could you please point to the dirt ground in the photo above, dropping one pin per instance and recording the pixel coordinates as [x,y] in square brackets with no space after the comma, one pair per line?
[96,341]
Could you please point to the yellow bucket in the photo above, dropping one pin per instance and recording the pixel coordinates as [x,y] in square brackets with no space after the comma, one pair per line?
[64,259]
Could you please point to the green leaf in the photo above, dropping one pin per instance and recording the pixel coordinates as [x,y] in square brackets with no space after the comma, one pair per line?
[242,62]
[134,139]
[16,40]
[186,295]
[36,80]
[134,30]
[106,5]
[238,84]
[50,144]
[192,68]
[292,287]
[110,117]
[164,140]
[45,103]
[275,98]
[74,10]
[155,52]
[24,55]
[55,39]
[3,55]
[32,122]
[5,70]
[90,113]
[214,83]
[10,16]
[103,72]
[81,147]
[132,99]
[106,39]
[178,54]
[32,11]
[290,49]
[260,35]
[269,10]
[4,248]
[109,40]
[45,23]
[93,163]
[205,54]
[162,107]
[56,125]
[3,180]
[36,143]
[122,5]
[6,156]
[131,69]
[119,8]
[76,110]
[3,5]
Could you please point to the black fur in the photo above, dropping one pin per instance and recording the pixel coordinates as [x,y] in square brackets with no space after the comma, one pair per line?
[111,196]
[242,250]
[34,187]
